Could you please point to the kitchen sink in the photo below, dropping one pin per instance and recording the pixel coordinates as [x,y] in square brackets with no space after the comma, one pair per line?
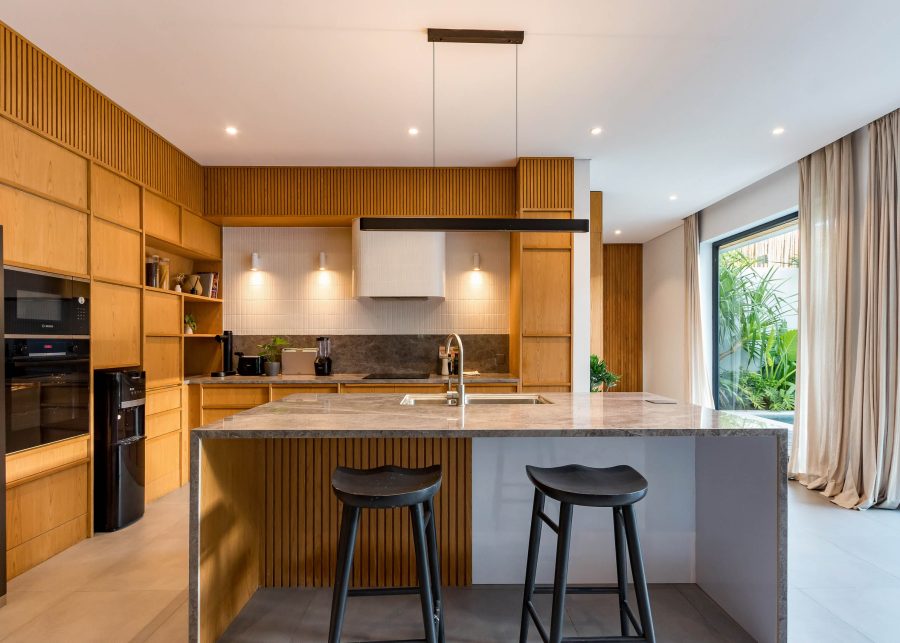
[440,399]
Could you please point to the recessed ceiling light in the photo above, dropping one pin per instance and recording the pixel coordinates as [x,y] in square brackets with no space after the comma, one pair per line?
[673,197]
[778,131]
[231,130]
[596,130]
[413,131]
[617,232]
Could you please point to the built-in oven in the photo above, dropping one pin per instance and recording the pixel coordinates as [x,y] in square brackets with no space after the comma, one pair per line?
[40,303]
[47,391]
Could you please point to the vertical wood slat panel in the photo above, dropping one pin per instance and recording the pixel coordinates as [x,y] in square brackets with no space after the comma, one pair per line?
[623,313]
[353,191]
[302,515]
[39,92]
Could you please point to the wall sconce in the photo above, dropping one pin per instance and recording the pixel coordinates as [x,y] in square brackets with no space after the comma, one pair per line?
[476,262]
[322,265]
[254,262]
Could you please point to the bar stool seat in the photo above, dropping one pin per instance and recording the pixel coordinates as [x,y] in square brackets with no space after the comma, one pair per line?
[588,486]
[618,488]
[385,487]
[390,487]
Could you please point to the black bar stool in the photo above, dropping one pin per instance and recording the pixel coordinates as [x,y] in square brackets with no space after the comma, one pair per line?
[617,487]
[387,488]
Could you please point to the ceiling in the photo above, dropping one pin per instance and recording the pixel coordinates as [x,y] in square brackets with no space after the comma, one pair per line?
[687,91]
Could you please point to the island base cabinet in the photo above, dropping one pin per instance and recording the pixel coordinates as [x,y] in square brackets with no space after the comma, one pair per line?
[268,518]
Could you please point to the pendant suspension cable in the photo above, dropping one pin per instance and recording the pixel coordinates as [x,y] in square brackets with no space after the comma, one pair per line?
[517,103]
[434,205]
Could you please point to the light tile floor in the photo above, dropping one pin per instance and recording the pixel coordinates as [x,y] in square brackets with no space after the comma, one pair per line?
[844,580]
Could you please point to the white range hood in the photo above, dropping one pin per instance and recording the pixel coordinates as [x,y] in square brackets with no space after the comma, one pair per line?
[398,265]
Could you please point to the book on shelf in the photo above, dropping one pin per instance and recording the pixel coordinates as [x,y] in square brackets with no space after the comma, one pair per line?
[209,281]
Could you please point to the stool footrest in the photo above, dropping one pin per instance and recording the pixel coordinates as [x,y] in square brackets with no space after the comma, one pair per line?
[382,591]
[397,641]
[578,589]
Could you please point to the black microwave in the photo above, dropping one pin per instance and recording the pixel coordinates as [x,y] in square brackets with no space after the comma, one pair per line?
[44,304]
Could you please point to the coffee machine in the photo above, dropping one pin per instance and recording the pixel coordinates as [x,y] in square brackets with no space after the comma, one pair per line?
[323,356]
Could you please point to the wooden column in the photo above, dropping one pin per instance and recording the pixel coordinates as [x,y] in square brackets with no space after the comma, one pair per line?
[597,273]
[623,307]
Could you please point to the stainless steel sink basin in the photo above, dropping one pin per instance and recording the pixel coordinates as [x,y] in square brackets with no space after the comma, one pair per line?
[440,399]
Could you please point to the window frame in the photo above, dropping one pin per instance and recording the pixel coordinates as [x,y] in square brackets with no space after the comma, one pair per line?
[716,245]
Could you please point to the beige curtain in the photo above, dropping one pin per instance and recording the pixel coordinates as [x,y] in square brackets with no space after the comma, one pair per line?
[872,477]
[697,377]
[847,434]
[820,439]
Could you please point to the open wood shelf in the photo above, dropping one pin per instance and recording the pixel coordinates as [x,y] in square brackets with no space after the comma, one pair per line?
[200,335]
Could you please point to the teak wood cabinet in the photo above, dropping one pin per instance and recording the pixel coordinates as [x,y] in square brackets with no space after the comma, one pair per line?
[65,213]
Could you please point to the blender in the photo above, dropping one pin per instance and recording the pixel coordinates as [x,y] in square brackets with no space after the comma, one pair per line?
[323,356]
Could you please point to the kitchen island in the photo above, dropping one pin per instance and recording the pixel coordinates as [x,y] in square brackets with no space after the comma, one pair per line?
[715,514]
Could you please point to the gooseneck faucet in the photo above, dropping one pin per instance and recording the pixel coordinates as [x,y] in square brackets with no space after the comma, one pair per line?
[460,395]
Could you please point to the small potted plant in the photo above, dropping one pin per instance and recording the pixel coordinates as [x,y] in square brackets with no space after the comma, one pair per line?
[179,280]
[190,324]
[272,352]
[601,377]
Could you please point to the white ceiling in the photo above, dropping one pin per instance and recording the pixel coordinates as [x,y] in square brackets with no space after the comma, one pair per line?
[687,91]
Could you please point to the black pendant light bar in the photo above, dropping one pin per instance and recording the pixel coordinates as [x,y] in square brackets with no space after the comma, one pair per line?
[471,224]
[489,36]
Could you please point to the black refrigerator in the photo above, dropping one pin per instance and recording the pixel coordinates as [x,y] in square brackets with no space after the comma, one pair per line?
[119,443]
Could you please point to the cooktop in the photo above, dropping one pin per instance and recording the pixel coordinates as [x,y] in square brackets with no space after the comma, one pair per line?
[397,376]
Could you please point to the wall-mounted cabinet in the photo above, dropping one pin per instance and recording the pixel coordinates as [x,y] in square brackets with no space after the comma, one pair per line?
[115,325]
[116,253]
[162,313]
[162,218]
[115,198]
[162,361]
[200,235]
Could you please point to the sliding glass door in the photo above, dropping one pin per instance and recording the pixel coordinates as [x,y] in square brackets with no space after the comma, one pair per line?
[756,287]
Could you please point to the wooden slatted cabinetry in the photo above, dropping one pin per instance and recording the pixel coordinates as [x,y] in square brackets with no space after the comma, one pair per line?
[541,266]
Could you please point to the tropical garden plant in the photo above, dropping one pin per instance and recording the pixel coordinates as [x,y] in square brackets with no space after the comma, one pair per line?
[753,338]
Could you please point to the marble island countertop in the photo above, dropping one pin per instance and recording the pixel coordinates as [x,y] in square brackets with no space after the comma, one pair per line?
[348,378]
[568,414]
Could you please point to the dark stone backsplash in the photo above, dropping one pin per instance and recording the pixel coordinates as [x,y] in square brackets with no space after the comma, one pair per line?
[395,353]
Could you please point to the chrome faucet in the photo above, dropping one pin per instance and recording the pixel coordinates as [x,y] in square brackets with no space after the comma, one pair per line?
[460,395]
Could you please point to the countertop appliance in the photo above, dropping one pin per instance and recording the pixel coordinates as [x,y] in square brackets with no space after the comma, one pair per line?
[44,304]
[47,390]
[250,364]
[397,376]
[322,364]
[119,443]
[226,339]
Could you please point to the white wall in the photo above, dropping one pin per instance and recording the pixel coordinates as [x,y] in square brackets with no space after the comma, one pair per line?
[664,315]
[291,296]
[764,200]
[581,284]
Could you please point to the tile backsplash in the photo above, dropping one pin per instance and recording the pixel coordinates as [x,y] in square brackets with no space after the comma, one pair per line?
[290,296]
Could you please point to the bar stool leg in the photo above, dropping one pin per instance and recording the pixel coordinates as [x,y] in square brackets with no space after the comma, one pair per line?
[534,545]
[346,544]
[418,527]
[558,616]
[637,571]
[434,562]
[621,566]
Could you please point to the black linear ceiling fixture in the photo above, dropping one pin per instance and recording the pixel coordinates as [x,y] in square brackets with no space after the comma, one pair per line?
[471,224]
[488,36]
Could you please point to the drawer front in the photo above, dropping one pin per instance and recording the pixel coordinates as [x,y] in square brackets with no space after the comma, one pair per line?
[234,396]
[279,392]
[162,465]
[212,415]
[162,423]
[163,400]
